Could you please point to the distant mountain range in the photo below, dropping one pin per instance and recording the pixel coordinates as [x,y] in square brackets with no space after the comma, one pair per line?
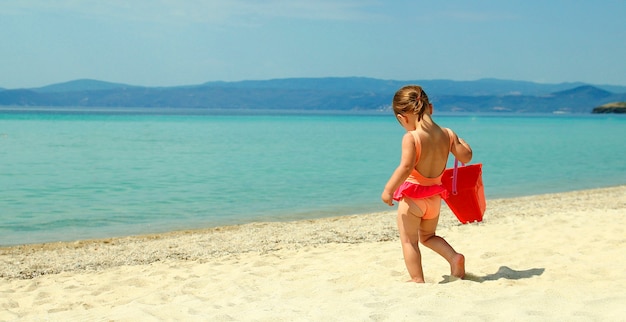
[318,94]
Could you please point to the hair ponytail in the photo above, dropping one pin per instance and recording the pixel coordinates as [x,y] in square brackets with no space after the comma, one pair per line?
[410,99]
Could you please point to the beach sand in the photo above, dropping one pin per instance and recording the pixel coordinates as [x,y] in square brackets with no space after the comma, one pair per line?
[554,257]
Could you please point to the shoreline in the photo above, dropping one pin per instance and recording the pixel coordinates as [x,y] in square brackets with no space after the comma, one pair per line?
[28,261]
[48,244]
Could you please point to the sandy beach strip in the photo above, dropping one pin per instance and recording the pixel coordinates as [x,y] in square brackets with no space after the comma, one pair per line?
[550,257]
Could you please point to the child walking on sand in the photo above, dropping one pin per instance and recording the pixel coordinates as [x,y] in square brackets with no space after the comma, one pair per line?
[416,182]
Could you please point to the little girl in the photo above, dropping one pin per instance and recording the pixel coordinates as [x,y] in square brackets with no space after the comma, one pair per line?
[416,183]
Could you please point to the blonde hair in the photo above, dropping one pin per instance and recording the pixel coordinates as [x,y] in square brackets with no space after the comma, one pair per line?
[410,99]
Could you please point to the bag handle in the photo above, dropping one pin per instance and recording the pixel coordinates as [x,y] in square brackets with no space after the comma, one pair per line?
[454,175]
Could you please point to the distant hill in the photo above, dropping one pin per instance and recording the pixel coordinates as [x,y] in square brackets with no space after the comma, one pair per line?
[80,85]
[614,107]
[433,87]
[580,99]
[332,93]
[584,91]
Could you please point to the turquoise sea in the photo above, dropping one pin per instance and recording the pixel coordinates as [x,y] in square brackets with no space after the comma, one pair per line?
[71,175]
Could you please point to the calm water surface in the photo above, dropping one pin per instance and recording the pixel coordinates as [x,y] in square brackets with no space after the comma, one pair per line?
[68,176]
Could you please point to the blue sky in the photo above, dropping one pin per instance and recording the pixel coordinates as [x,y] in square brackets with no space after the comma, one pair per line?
[183,42]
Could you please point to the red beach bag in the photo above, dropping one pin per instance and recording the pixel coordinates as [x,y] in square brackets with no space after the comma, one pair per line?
[466,197]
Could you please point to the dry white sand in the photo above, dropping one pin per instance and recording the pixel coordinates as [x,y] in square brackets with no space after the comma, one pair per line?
[556,257]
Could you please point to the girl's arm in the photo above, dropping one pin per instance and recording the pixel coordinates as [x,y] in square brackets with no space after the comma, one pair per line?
[460,149]
[407,163]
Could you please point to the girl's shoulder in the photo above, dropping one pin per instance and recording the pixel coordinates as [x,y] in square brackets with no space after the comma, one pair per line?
[448,131]
[412,136]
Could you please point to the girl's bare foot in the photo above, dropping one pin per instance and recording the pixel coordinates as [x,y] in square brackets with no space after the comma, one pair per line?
[416,280]
[457,267]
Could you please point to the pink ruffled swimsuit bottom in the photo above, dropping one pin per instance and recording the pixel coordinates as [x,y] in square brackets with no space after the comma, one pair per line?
[426,198]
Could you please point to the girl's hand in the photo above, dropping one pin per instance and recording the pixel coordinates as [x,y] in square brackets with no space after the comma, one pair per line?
[387,198]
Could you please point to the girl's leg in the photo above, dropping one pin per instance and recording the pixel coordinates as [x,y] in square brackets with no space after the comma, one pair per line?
[408,226]
[440,246]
